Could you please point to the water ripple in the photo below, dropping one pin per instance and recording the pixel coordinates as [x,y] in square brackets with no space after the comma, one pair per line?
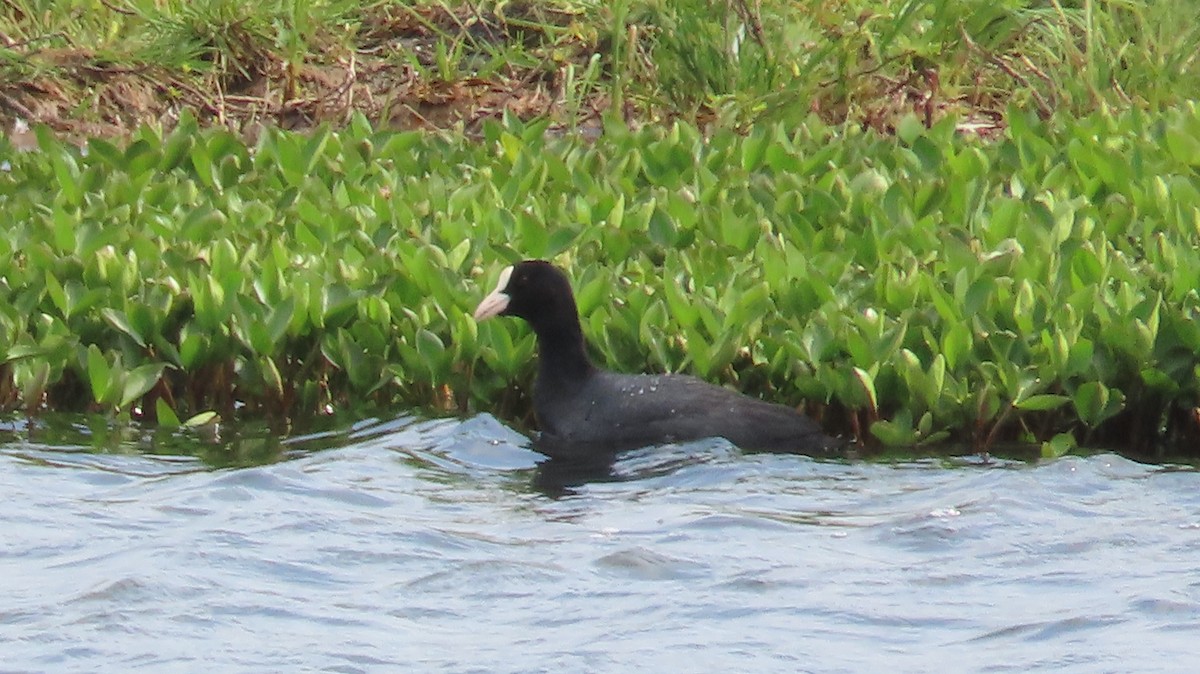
[413,544]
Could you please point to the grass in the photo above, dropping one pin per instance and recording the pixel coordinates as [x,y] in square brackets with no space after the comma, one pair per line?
[453,64]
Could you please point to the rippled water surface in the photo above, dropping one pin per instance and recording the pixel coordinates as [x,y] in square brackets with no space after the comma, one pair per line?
[415,545]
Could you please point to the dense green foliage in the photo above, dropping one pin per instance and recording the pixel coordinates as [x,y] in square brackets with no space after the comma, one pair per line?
[914,288]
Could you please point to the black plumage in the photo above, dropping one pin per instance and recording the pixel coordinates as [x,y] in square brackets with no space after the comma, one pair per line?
[583,409]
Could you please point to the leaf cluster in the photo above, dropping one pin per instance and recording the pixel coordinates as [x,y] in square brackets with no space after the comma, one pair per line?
[907,290]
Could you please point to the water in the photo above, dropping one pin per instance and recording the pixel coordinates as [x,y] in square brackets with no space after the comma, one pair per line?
[415,545]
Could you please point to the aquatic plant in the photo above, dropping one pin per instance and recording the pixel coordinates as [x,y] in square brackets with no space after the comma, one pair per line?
[907,289]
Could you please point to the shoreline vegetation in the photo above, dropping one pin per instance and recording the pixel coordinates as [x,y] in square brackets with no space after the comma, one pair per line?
[103,68]
[923,222]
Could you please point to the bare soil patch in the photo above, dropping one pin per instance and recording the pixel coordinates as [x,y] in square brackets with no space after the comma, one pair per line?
[385,77]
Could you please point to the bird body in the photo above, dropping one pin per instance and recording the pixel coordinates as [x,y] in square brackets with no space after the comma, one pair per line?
[581,408]
[646,409]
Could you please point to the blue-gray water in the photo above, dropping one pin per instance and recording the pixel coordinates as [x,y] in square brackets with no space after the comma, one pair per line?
[415,545]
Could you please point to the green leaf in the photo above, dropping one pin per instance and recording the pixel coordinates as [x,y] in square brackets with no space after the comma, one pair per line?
[1058,446]
[956,345]
[139,381]
[754,149]
[108,152]
[32,378]
[165,415]
[429,345]
[1095,402]
[178,146]
[1042,402]
[57,295]
[661,228]
[119,321]
[202,419]
[897,432]
[270,374]
[681,304]
[66,173]
[560,240]
[140,157]
[937,379]
[617,215]
[592,294]
[99,373]
[66,229]
[279,319]
[458,255]
[191,346]
[203,165]
[910,128]
[925,425]
[1184,146]
[314,149]
[867,383]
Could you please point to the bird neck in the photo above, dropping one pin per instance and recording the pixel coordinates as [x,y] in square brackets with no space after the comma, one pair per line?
[562,354]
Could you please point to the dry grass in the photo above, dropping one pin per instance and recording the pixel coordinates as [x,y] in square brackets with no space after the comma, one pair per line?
[103,67]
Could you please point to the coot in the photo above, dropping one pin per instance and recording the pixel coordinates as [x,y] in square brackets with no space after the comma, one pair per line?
[582,408]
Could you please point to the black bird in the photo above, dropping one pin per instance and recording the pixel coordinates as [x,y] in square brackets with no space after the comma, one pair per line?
[584,410]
